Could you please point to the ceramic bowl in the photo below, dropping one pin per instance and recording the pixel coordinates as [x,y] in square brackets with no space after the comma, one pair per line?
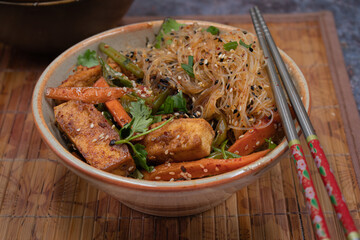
[157,198]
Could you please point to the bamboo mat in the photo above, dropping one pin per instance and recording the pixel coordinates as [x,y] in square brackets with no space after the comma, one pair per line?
[41,199]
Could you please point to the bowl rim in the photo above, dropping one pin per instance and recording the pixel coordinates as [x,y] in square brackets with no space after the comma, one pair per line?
[85,170]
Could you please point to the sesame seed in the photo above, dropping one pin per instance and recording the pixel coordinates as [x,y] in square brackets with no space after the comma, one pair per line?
[178,136]
[179,77]
[166,152]
[94,140]
[206,61]
[113,126]
[241,136]
[246,147]
[236,152]
[91,125]
[257,143]
[202,166]
[205,170]
[171,179]
[157,178]
[106,137]
[216,169]
[172,173]
[78,129]
[109,94]
[131,168]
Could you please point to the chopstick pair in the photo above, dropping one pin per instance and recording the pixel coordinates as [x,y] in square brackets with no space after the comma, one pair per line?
[336,198]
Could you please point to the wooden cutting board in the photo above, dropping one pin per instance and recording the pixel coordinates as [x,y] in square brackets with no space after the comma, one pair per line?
[41,199]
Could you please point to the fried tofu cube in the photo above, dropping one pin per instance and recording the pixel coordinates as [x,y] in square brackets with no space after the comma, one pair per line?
[90,132]
[181,140]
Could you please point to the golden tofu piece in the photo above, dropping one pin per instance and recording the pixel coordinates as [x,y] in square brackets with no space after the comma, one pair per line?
[183,139]
[88,129]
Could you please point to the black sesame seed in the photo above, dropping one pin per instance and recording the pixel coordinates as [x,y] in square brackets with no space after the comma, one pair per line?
[112,142]
[187,37]
[216,82]
[227,86]
[260,87]
[238,115]
[221,59]
[252,88]
[275,109]
[146,60]
[247,65]
[259,73]
[183,169]
[245,32]
[250,49]
[235,111]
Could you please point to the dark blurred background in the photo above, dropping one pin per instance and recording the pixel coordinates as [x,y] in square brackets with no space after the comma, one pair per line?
[346,14]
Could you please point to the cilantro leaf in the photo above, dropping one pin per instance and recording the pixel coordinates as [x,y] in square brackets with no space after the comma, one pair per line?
[140,155]
[168,25]
[189,67]
[137,174]
[244,44]
[88,59]
[213,30]
[141,120]
[230,45]
[272,145]
[174,103]
[141,116]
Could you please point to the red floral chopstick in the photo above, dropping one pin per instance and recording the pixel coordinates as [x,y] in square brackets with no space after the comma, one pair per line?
[332,187]
[316,214]
[327,176]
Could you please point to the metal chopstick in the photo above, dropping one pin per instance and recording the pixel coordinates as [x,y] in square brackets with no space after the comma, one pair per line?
[292,137]
[317,152]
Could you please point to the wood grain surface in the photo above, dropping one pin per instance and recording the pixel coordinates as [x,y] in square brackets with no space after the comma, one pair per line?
[41,199]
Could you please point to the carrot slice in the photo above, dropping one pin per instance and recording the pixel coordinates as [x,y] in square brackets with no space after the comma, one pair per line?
[85,94]
[114,106]
[200,168]
[254,138]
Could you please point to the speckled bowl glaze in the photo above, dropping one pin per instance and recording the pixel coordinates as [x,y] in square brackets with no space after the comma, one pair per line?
[157,198]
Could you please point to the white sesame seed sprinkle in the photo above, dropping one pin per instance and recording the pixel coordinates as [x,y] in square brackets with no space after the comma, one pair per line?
[205,170]
[257,143]
[94,140]
[157,178]
[91,125]
[78,129]
[172,173]
[166,152]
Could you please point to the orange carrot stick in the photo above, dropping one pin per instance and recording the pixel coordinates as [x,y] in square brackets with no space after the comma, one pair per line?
[254,138]
[200,168]
[85,94]
[114,106]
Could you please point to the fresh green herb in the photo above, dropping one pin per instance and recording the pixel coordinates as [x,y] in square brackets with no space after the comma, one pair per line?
[88,59]
[141,120]
[272,145]
[168,25]
[174,103]
[137,174]
[244,44]
[113,77]
[230,45]
[213,30]
[228,154]
[222,148]
[189,67]
[157,119]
